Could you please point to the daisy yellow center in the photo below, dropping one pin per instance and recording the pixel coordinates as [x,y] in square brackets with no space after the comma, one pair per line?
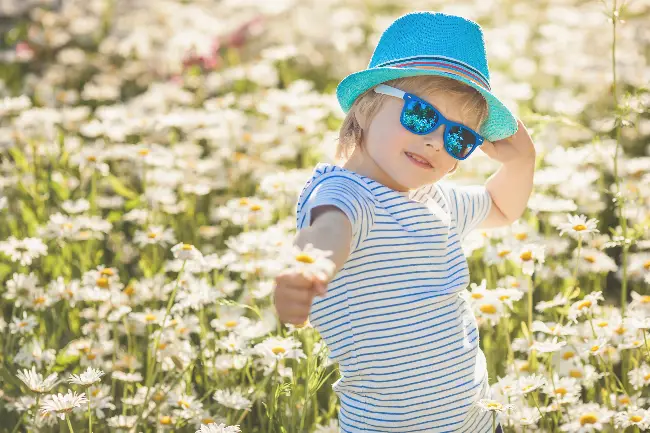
[92,158]
[646,377]
[568,355]
[561,391]
[504,253]
[305,258]
[186,247]
[152,235]
[256,207]
[94,392]
[647,264]
[231,324]
[91,356]
[477,296]
[107,271]
[129,290]
[67,226]
[645,299]
[624,400]
[22,324]
[102,282]
[183,330]
[207,420]
[588,418]
[243,201]
[524,367]
[636,418]
[590,259]
[150,317]
[158,396]
[278,350]
[247,136]
[602,324]
[166,420]
[39,300]
[162,346]
[504,297]
[579,227]
[584,304]
[515,284]
[183,403]
[488,309]
[595,348]
[526,256]
[521,236]
[620,330]
[494,405]
[576,374]
[527,387]
[143,152]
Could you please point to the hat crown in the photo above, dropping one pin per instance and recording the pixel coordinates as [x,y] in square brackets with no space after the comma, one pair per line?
[432,34]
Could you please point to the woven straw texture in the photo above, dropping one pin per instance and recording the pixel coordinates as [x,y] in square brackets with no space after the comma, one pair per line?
[427,38]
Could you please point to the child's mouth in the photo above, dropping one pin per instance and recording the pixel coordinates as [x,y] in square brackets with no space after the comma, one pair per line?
[417,161]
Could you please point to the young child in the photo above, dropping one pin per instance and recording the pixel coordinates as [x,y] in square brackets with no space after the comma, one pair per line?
[407,344]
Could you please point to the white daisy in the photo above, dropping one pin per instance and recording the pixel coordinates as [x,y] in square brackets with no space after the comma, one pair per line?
[488,405]
[60,404]
[218,428]
[578,226]
[187,252]
[35,381]
[23,251]
[87,378]
[232,399]
[311,262]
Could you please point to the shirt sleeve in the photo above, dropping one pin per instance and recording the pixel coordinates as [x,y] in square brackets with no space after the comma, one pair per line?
[468,204]
[348,194]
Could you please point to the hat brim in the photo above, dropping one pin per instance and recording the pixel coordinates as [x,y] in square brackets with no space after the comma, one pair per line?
[500,123]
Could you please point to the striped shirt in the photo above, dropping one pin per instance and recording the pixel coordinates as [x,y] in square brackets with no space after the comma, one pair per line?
[406,343]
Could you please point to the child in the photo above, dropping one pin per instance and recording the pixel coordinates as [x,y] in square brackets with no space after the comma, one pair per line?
[407,344]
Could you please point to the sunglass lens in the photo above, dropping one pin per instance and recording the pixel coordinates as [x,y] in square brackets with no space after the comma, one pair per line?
[419,117]
[460,141]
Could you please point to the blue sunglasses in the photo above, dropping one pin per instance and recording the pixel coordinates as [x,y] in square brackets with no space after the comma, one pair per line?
[420,117]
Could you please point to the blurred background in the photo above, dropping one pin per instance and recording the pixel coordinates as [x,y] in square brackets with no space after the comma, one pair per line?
[131,126]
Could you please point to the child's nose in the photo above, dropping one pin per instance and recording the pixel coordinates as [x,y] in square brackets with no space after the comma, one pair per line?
[436,138]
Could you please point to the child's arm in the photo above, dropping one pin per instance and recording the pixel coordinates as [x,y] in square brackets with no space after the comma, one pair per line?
[511,185]
[294,293]
[330,230]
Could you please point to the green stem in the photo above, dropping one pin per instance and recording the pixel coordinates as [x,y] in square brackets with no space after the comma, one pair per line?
[494,422]
[67,418]
[90,417]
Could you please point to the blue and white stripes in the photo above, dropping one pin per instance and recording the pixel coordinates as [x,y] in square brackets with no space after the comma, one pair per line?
[407,345]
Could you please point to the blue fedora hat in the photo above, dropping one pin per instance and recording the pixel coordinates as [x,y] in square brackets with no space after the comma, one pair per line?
[432,43]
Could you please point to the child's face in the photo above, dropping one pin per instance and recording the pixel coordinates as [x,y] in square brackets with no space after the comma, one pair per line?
[387,142]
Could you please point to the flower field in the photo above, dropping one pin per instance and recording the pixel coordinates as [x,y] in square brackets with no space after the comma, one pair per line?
[151,155]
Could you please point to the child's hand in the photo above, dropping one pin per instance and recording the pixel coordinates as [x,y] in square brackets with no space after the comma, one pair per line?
[517,147]
[294,293]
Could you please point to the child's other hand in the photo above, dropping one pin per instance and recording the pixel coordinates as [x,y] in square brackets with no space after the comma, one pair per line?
[294,293]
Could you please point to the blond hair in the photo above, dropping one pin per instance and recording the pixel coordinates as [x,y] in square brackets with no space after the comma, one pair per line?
[474,107]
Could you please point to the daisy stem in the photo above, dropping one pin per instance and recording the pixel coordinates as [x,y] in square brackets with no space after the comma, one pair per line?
[90,417]
[67,418]
[532,394]
[645,340]
[494,419]
[38,396]
[162,326]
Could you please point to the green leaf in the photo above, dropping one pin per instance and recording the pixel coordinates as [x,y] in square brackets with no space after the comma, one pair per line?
[120,188]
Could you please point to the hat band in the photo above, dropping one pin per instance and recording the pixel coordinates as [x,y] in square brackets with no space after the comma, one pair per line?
[442,64]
